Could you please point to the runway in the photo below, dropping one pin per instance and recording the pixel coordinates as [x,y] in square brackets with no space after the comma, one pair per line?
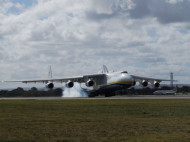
[102,97]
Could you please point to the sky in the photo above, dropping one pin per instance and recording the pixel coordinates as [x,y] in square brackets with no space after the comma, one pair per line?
[145,37]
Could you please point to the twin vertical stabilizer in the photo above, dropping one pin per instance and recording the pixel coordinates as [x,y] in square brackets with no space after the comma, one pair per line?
[50,73]
[104,69]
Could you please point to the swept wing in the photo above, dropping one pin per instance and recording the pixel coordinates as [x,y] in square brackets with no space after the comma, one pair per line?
[140,79]
[79,79]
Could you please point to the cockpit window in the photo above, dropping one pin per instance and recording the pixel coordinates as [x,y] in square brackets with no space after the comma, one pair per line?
[124,72]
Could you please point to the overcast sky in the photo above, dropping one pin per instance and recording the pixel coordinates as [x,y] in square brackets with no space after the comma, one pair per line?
[145,37]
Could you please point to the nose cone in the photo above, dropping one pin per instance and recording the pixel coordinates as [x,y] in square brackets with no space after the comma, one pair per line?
[127,79]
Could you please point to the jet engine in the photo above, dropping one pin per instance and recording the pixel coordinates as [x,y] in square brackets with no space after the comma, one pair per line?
[144,83]
[69,84]
[89,83]
[50,85]
[156,84]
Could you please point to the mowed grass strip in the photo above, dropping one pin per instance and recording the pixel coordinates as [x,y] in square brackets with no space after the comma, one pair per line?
[94,120]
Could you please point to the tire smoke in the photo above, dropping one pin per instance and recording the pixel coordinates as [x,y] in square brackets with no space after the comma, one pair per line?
[75,91]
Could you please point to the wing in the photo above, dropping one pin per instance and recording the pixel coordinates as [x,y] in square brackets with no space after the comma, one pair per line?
[80,79]
[151,80]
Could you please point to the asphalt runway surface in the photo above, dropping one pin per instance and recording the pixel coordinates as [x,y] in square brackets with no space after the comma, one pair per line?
[102,97]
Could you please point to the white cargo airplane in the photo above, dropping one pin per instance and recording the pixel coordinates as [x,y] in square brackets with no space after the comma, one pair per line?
[166,92]
[103,83]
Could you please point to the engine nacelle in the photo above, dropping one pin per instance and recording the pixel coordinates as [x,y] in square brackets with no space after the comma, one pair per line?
[156,84]
[89,83]
[50,85]
[144,83]
[69,84]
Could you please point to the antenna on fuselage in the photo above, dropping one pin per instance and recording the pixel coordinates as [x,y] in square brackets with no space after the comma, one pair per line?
[50,73]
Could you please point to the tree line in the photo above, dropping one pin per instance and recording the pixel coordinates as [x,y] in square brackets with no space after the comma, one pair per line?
[34,92]
[149,91]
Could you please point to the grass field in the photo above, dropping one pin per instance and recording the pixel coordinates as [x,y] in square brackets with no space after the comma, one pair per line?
[95,120]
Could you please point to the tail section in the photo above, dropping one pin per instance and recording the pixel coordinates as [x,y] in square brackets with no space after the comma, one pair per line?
[50,73]
[104,69]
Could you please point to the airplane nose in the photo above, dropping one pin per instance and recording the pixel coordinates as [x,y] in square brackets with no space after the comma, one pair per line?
[132,80]
[129,79]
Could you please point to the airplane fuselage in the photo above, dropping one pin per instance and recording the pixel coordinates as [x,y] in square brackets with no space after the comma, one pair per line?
[164,92]
[114,82]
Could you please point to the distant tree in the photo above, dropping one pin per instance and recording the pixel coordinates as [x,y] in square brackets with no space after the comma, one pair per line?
[16,92]
[20,89]
[3,93]
[58,92]
[165,88]
[34,89]
[185,89]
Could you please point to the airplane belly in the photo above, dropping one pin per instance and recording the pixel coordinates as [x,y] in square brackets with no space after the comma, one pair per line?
[113,82]
[114,87]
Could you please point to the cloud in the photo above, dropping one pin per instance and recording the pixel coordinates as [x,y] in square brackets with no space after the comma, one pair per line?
[174,1]
[166,11]
[146,37]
